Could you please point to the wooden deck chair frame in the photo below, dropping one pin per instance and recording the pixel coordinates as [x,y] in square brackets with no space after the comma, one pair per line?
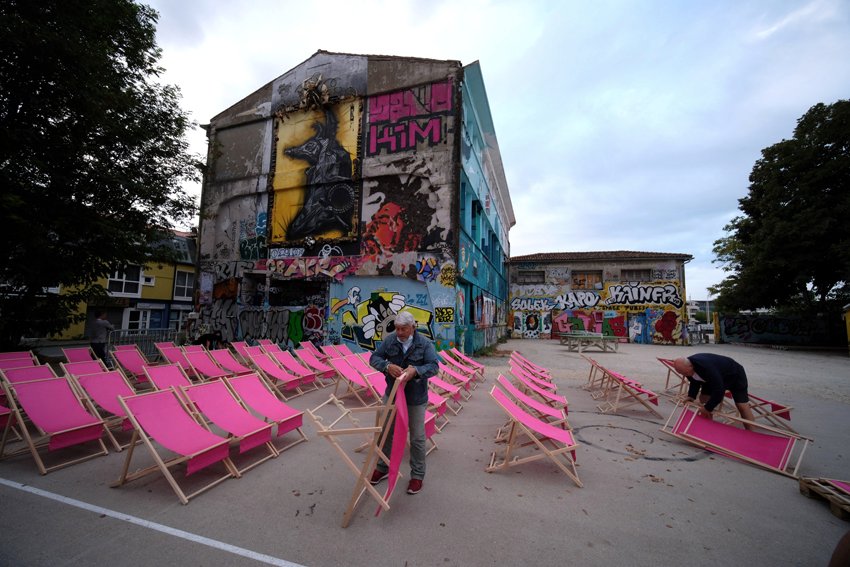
[626,393]
[554,443]
[529,366]
[540,382]
[11,363]
[685,422]
[451,392]
[375,436]
[215,447]
[775,413]
[543,412]
[452,376]
[596,378]
[80,423]
[259,396]
[217,403]
[18,355]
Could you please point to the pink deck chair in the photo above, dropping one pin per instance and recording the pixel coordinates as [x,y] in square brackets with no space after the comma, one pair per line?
[625,393]
[83,367]
[343,350]
[168,376]
[241,349]
[28,373]
[175,355]
[259,397]
[59,417]
[518,356]
[452,376]
[355,383]
[331,351]
[226,360]
[132,361]
[268,345]
[438,405]
[450,392]
[322,370]
[553,442]
[204,366]
[546,384]
[467,361]
[543,412]
[126,347]
[104,389]
[9,363]
[164,344]
[768,447]
[285,359]
[218,403]
[161,416]
[276,375]
[79,354]
[546,396]
[309,345]
[461,368]
[17,355]
[194,348]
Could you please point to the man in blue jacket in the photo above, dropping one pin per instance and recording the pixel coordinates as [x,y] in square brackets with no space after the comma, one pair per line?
[407,356]
[710,375]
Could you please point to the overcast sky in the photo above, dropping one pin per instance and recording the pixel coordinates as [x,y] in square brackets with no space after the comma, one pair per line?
[623,125]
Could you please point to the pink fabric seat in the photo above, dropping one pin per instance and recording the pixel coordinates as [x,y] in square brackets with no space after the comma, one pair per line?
[83,367]
[257,396]
[28,373]
[82,354]
[204,366]
[8,363]
[285,359]
[132,361]
[227,361]
[276,374]
[106,389]
[547,396]
[310,360]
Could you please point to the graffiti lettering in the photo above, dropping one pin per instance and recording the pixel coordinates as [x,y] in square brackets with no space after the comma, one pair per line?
[334,267]
[398,121]
[577,300]
[636,293]
[275,253]
[532,303]
[444,314]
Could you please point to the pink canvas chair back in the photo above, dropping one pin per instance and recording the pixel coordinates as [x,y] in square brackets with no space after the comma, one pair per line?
[268,365]
[167,376]
[126,347]
[194,348]
[16,363]
[543,392]
[78,354]
[29,373]
[343,350]
[331,351]
[285,358]
[205,365]
[165,419]
[217,402]
[83,367]
[226,360]
[349,373]
[448,370]
[105,388]
[311,360]
[265,342]
[548,430]
[53,406]
[449,361]
[453,391]
[314,349]
[165,344]
[519,369]
[465,359]
[253,350]
[131,360]
[175,355]
[15,355]
[528,401]
[240,348]
[256,395]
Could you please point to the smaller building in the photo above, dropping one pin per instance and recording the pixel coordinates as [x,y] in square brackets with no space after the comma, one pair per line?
[637,296]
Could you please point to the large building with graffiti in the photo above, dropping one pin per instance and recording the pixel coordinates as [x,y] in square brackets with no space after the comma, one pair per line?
[637,296]
[349,188]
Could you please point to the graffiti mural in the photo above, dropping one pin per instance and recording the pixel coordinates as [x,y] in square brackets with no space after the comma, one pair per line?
[643,294]
[334,267]
[252,238]
[402,120]
[769,329]
[315,190]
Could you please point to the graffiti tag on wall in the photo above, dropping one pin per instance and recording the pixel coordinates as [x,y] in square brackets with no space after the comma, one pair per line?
[400,120]
[640,293]
[335,267]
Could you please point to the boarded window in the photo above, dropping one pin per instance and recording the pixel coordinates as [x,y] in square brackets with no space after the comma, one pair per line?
[587,279]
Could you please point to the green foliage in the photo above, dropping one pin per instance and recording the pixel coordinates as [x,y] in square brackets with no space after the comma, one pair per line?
[790,248]
[93,154]
[700,317]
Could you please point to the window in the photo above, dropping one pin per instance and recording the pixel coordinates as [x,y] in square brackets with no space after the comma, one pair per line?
[642,275]
[181,246]
[126,283]
[587,279]
[184,283]
[531,277]
[137,319]
[177,319]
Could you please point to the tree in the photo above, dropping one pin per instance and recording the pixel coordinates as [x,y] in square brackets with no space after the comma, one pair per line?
[93,155]
[790,249]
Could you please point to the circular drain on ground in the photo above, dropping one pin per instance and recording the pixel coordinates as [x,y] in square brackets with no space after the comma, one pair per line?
[634,443]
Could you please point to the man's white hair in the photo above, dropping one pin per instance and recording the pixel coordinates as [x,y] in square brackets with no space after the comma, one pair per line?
[405,318]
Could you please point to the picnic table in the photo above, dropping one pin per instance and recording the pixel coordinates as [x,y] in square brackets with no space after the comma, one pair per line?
[581,340]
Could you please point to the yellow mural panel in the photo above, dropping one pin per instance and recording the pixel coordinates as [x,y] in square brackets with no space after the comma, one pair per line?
[315,190]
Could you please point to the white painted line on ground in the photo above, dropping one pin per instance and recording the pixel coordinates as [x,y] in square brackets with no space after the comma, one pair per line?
[268,559]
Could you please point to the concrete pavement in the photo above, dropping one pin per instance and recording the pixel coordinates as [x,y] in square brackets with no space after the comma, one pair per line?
[648,499]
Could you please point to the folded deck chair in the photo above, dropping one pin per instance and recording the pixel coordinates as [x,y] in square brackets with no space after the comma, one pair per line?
[126,347]
[311,346]
[276,375]
[556,416]
[176,355]
[162,416]
[168,376]
[765,446]
[27,373]
[257,395]
[291,365]
[524,431]
[58,415]
[545,395]
[319,367]
[625,393]
[79,354]
[132,361]
[104,389]
[227,361]
[453,376]
[354,382]
[467,361]
[348,422]
[8,363]
[204,366]
[219,404]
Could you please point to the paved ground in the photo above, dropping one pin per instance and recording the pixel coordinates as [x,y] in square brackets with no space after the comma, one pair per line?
[648,499]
